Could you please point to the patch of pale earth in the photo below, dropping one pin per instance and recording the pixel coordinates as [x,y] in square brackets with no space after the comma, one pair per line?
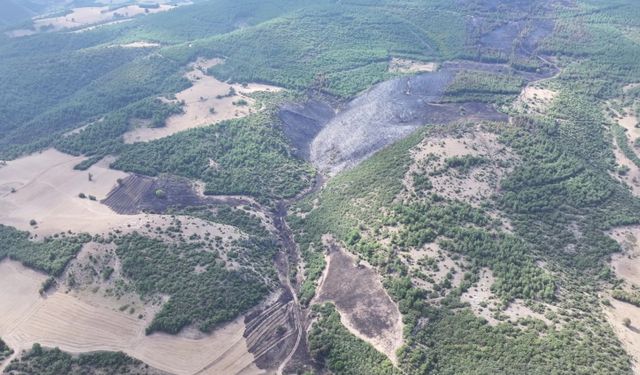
[85,16]
[20,33]
[630,86]
[626,265]
[139,44]
[471,187]
[75,131]
[365,308]
[85,279]
[89,28]
[629,121]
[534,99]
[632,177]
[397,65]
[64,321]
[628,336]
[417,261]
[206,102]
[45,187]
[486,305]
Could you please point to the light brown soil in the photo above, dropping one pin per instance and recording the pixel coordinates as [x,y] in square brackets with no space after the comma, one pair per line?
[480,294]
[365,308]
[445,264]
[94,15]
[205,93]
[46,190]
[472,187]
[632,177]
[630,86]
[629,121]
[626,265]
[629,336]
[397,65]
[535,99]
[139,44]
[64,321]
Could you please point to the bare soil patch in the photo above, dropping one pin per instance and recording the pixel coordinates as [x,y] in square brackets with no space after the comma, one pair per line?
[628,336]
[64,321]
[45,187]
[397,65]
[485,304]
[85,16]
[206,102]
[365,308]
[139,44]
[631,177]
[429,265]
[535,99]
[472,186]
[47,190]
[626,265]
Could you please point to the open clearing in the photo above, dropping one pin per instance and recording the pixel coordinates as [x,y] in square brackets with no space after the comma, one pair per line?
[416,260]
[397,65]
[86,16]
[473,186]
[46,190]
[485,304]
[629,336]
[632,177]
[139,44]
[206,102]
[61,320]
[626,265]
[535,99]
[365,308]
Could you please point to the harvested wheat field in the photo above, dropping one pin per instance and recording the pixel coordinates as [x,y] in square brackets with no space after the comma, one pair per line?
[85,16]
[61,320]
[397,65]
[206,102]
[45,187]
[365,308]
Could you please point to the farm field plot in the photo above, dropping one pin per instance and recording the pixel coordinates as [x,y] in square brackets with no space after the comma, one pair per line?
[206,102]
[73,325]
[45,187]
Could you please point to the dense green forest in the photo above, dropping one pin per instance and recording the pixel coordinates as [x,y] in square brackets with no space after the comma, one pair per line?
[247,156]
[204,298]
[42,361]
[51,255]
